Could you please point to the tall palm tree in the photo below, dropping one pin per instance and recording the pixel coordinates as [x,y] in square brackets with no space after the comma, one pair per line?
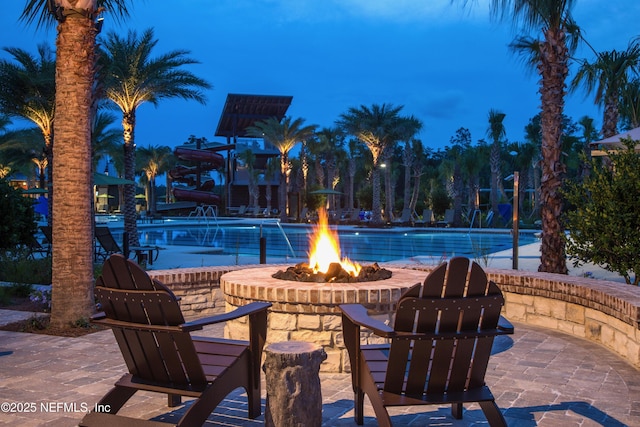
[607,76]
[283,136]
[154,161]
[407,129]
[27,90]
[133,77]
[376,127]
[496,132]
[72,227]
[550,55]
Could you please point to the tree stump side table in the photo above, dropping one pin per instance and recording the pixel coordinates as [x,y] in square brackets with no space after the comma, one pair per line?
[292,379]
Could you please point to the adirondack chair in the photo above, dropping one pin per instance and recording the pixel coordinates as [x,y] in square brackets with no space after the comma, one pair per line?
[163,357]
[439,347]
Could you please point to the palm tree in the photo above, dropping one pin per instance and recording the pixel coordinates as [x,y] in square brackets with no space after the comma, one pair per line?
[550,56]
[72,228]
[630,105]
[27,90]
[105,140]
[407,129]
[154,161]
[496,132]
[22,148]
[131,78]
[283,136]
[248,158]
[377,128]
[608,76]
[589,134]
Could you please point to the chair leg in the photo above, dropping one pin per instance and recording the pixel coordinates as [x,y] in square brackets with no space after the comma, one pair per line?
[116,398]
[493,414]
[456,410]
[358,406]
[174,400]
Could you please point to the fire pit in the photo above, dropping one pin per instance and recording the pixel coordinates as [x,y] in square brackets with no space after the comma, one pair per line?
[308,310]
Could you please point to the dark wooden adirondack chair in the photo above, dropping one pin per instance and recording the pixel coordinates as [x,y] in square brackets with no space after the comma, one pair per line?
[439,346]
[162,356]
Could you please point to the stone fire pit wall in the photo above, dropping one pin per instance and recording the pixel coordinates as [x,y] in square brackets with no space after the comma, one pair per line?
[306,311]
[607,313]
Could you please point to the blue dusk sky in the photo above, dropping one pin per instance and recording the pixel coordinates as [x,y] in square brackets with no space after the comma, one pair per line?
[446,65]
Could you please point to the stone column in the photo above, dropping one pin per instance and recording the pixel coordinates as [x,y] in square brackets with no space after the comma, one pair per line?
[294,398]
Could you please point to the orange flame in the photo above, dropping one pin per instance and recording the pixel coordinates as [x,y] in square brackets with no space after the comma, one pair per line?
[325,248]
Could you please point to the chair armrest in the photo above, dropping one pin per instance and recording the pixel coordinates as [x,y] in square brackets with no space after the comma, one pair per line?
[357,314]
[246,310]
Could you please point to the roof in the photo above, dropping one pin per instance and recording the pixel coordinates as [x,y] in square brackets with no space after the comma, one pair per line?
[242,111]
[599,148]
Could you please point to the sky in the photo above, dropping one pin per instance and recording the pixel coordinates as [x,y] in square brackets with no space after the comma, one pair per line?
[446,65]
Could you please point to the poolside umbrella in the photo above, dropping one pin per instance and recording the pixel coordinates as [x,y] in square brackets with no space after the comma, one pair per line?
[102,180]
[35,191]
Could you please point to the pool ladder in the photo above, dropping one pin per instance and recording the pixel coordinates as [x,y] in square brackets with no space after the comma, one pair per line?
[276,221]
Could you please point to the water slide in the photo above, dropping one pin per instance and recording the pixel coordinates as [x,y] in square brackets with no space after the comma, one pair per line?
[207,160]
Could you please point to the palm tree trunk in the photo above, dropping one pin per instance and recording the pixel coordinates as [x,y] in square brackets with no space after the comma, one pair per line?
[48,152]
[494,161]
[72,226]
[282,189]
[352,177]
[376,208]
[408,161]
[554,70]
[130,225]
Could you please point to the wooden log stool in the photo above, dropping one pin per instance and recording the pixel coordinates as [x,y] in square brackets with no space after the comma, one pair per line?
[292,379]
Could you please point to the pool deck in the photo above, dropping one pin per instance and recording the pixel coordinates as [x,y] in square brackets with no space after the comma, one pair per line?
[539,377]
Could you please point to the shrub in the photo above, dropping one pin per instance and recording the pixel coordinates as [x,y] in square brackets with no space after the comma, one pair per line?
[602,217]
[18,222]
[21,269]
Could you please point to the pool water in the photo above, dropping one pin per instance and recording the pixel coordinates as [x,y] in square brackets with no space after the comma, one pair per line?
[358,244]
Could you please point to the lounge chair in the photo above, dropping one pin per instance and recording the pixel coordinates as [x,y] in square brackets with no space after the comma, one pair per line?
[108,246]
[36,248]
[406,218]
[46,230]
[447,221]
[426,220]
[163,357]
[439,347]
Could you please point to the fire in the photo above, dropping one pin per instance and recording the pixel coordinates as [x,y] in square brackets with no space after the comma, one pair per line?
[325,248]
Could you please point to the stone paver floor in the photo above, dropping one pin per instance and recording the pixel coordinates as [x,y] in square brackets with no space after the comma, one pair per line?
[539,378]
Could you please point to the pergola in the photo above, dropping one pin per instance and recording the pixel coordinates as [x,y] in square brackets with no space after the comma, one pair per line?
[243,111]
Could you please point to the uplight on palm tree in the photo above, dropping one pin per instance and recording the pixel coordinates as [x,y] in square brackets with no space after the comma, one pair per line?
[132,77]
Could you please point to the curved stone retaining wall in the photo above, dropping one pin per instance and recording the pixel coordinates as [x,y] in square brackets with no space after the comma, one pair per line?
[607,313]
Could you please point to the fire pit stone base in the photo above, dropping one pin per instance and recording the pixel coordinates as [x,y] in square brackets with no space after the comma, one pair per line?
[307,311]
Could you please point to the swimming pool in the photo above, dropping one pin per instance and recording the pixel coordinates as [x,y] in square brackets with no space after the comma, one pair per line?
[359,244]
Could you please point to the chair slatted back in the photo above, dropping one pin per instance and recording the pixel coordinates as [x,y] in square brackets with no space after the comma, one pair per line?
[452,301]
[166,355]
